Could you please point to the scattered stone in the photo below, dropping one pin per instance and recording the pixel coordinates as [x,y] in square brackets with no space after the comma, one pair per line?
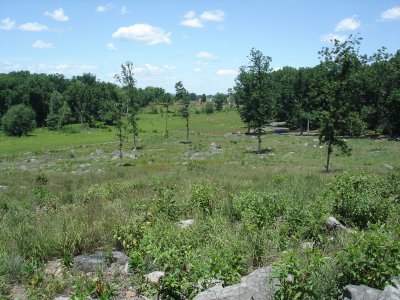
[87,263]
[54,268]
[255,286]
[22,167]
[305,144]
[391,292]
[97,152]
[18,292]
[3,187]
[130,294]
[82,166]
[315,140]
[131,155]
[332,224]
[196,155]
[62,298]
[214,148]
[185,223]
[320,147]
[154,277]
[307,245]
[389,167]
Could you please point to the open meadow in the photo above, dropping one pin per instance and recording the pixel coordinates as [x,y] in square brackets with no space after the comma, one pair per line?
[62,194]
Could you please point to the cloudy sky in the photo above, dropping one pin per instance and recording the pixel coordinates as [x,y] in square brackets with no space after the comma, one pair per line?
[200,42]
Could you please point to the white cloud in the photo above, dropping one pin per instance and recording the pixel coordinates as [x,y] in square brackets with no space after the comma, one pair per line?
[66,69]
[213,15]
[194,22]
[391,14]
[42,45]
[33,26]
[226,72]
[328,38]
[197,70]
[7,24]
[124,10]
[7,66]
[104,8]
[143,33]
[348,24]
[191,20]
[206,55]
[190,14]
[148,69]
[110,46]
[57,14]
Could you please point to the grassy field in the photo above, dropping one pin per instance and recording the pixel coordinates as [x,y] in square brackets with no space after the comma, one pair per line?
[62,194]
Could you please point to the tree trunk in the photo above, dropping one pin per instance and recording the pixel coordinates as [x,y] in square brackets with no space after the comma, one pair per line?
[259,142]
[328,157]
[248,128]
[308,125]
[166,122]
[301,128]
[187,130]
[120,143]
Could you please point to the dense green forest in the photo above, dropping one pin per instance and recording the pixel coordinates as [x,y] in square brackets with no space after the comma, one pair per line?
[369,88]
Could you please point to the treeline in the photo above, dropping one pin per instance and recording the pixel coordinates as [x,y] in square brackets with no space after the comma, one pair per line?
[369,90]
[58,101]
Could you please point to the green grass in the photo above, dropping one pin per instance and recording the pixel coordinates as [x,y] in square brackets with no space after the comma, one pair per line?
[88,196]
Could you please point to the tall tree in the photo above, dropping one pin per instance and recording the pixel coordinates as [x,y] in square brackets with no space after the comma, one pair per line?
[253,89]
[219,101]
[341,62]
[166,101]
[127,81]
[182,95]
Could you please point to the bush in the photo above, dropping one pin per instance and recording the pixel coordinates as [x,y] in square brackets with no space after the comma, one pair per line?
[372,258]
[256,210]
[359,199]
[19,120]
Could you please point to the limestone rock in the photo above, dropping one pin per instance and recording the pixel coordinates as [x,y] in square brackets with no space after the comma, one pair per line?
[155,277]
[185,223]
[254,286]
[91,262]
[360,292]
[332,224]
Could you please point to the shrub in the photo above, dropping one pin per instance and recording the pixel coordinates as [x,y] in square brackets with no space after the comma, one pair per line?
[19,120]
[205,196]
[296,274]
[372,258]
[256,210]
[359,199]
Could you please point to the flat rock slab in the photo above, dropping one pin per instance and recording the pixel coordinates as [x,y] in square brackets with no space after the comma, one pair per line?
[255,286]
[91,262]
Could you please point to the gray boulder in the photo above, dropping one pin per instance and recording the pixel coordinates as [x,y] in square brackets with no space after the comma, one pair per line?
[360,292]
[255,286]
[88,263]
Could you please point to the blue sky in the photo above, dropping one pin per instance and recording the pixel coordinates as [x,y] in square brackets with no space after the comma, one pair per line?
[202,43]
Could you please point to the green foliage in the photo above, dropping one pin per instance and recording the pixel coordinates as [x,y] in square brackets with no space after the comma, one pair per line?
[19,120]
[167,204]
[96,287]
[209,108]
[296,274]
[257,210]
[206,197]
[359,199]
[370,258]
